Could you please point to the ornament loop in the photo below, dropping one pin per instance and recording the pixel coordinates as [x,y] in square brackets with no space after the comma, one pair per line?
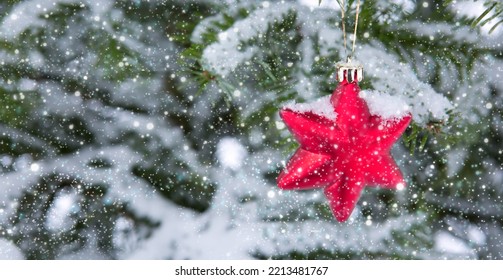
[349,71]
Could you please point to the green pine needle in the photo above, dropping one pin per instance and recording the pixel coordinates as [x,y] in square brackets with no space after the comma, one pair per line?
[494,26]
[477,20]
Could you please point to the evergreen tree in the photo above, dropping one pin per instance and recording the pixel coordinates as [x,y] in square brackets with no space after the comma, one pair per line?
[149,129]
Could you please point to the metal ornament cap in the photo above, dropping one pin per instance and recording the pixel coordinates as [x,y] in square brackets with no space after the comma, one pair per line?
[349,71]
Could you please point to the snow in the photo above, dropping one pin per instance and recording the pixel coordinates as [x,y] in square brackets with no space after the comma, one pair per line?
[380,104]
[389,75]
[9,251]
[324,4]
[384,105]
[230,153]
[203,26]
[473,9]
[230,50]
[30,13]
[399,9]
[58,216]
[22,16]
[445,242]
[320,106]
[476,235]
[5,160]
[439,31]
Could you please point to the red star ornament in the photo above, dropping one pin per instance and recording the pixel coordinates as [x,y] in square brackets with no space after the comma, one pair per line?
[345,155]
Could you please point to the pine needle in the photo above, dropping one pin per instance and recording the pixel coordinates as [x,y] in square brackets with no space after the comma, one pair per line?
[494,26]
[476,21]
[495,15]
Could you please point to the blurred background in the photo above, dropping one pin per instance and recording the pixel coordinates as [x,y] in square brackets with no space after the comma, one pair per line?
[136,129]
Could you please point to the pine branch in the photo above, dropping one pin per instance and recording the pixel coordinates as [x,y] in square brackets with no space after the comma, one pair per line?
[493,6]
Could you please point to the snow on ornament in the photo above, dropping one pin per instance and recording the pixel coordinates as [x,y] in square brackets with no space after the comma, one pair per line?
[347,148]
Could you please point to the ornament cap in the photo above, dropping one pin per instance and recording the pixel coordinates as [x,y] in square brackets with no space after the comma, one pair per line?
[349,71]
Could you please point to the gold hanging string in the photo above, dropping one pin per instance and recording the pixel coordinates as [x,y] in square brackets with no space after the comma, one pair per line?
[349,71]
[356,27]
[342,5]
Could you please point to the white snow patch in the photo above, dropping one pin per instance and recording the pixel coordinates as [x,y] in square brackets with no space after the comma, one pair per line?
[124,236]
[438,30]
[474,9]
[332,4]
[30,14]
[445,242]
[230,153]
[385,105]
[34,167]
[476,235]
[9,251]
[387,74]
[227,53]
[203,27]
[5,160]
[321,106]
[58,215]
